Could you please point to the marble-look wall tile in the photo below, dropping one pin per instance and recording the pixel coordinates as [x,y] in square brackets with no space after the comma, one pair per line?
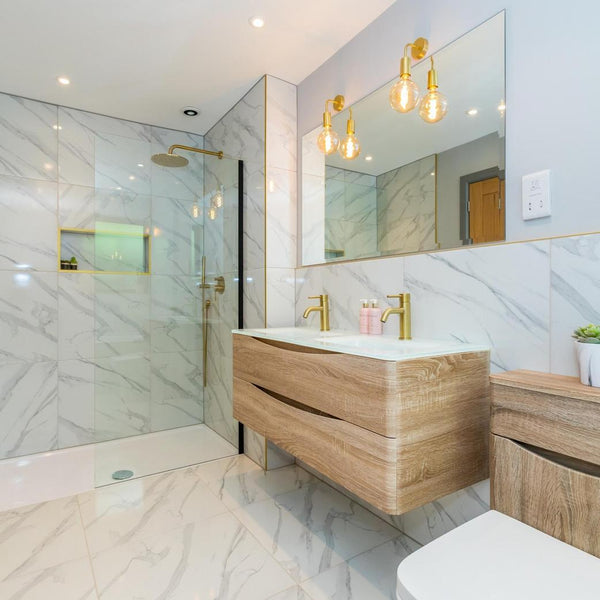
[281,218]
[28,224]
[254,216]
[76,316]
[346,284]
[122,396]
[76,407]
[182,183]
[241,132]
[28,137]
[28,408]
[28,316]
[575,296]
[281,124]
[122,314]
[406,216]
[76,206]
[313,219]
[177,236]
[176,389]
[254,298]
[176,314]
[103,152]
[496,295]
[280,297]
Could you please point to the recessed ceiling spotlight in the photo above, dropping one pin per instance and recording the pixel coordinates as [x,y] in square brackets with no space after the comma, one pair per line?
[369,157]
[63,80]
[190,111]
[472,112]
[256,22]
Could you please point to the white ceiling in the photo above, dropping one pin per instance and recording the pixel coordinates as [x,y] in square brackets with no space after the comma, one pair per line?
[146,59]
[470,74]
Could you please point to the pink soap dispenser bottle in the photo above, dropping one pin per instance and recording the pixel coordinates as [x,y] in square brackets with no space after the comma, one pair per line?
[364,316]
[375,324]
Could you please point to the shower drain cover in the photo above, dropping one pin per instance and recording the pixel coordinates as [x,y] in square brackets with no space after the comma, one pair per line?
[122,474]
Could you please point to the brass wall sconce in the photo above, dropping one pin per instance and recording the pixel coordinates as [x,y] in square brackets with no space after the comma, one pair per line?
[405,93]
[328,140]
[350,146]
[434,105]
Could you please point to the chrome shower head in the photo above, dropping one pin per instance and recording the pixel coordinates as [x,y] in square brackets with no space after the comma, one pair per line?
[169,160]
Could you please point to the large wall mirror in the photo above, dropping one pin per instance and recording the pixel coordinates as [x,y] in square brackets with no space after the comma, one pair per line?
[415,186]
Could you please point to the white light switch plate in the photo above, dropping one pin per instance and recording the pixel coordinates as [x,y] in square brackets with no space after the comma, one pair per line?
[535,195]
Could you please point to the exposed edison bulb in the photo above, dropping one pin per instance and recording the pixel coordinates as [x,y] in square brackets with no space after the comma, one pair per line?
[328,140]
[433,107]
[350,146]
[404,95]
[434,104]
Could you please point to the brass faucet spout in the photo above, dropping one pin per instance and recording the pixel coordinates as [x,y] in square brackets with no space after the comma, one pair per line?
[404,311]
[390,311]
[323,309]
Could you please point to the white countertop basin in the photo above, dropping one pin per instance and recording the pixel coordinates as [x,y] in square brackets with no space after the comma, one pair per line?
[382,347]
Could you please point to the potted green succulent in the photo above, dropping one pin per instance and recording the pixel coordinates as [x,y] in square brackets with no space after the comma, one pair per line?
[587,346]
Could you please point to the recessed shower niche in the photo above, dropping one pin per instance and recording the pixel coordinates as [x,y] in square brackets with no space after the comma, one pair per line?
[109,248]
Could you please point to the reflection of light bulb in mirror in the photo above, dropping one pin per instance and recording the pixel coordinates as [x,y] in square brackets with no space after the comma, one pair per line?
[350,146]
[404,95]
[195,210]
[218,198]
[328,140]
[212,213]
[434,105]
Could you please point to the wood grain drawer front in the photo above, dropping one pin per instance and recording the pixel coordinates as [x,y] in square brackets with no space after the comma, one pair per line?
[556,495]
[360,460]
[356,389]
[566,425]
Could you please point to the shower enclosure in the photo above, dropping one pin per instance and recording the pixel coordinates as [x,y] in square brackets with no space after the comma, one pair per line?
[165,276]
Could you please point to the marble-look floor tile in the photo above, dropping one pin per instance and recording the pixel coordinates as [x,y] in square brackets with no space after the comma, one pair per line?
[314,528]
[72,580]
[118,514]
[238,481]
[212,558]
[370,575]
[294,593]
[28,408]
[40,536]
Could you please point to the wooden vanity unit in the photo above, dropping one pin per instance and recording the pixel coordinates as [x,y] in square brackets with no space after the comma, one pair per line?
[546,433]
[398,434]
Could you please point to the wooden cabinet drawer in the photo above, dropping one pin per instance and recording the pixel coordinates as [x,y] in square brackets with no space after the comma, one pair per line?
[360,460]
[414,399]
[553,493]
[554,412]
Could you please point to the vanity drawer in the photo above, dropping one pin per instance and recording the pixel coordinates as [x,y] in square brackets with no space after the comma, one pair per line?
[354,388]
[553,493]
[360,460]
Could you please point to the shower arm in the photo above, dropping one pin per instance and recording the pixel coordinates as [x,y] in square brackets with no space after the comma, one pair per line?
[219,154]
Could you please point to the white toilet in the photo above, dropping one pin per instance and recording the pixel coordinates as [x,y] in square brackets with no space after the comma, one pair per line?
[497,557]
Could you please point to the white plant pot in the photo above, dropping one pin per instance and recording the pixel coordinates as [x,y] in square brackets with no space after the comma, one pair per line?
[588,356]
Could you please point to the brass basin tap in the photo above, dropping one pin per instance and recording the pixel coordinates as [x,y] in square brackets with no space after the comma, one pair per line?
[404,311]
[323,309]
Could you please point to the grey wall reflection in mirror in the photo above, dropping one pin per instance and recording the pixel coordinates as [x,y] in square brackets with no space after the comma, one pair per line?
[416,186]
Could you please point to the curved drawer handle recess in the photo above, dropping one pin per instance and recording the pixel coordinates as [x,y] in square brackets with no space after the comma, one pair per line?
[562,460]
[296,348]
[293,404]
